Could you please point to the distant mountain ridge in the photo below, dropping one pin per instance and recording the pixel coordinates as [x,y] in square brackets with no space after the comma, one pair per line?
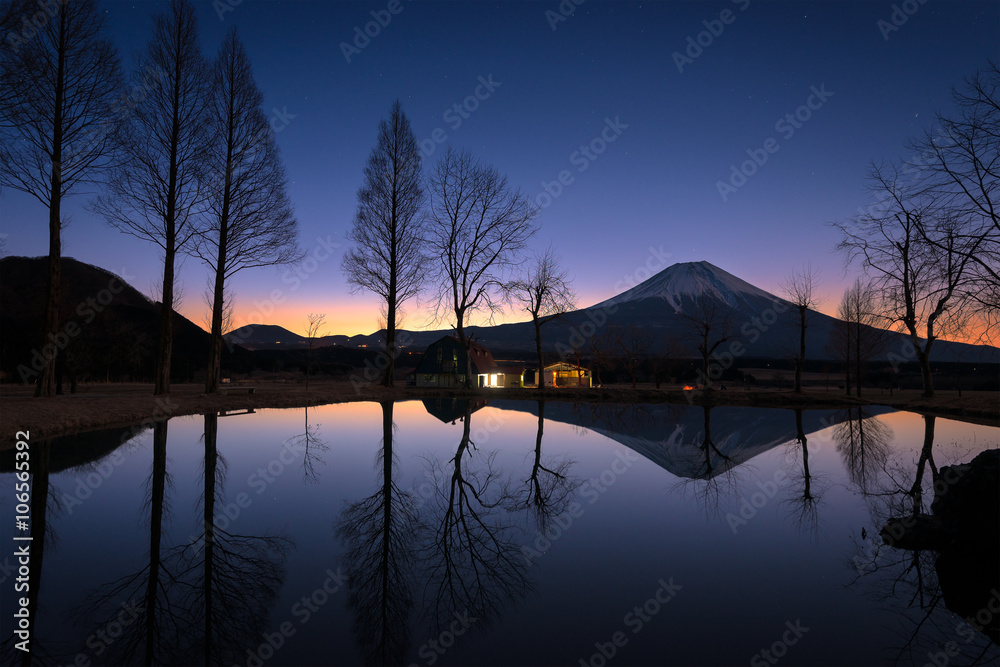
[766,325]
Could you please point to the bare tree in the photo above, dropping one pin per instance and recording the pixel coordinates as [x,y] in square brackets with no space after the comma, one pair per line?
[549,488]
[710,324]
[799,290]
[861,339]
[602,349]
[208,299]
[381,535]
[959,164]
[544,292]
[316,323]
[251,223]
[477,225]
[633,346]
[471,552]
[57,124]
[842,338]
[670,349]
[387,258]
[920,284]
[157,193]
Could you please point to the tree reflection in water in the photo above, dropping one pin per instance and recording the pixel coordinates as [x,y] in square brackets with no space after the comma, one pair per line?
[864,445]
[155,622]
[313,446]
[714,477]
[380,538]
[548,490]
[42,501]
[807,488]
[908,581]
[229,581]
[474,566]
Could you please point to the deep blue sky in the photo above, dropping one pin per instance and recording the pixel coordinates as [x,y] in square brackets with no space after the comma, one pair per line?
[655,185]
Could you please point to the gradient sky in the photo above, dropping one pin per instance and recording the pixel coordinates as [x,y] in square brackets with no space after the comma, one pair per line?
[654,186]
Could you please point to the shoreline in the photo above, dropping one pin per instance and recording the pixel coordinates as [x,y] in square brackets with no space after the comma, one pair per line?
[97,406]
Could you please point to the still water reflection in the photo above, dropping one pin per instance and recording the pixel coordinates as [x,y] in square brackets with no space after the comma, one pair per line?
[456,532]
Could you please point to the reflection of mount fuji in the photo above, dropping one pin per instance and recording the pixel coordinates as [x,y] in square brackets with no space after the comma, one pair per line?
[689,441]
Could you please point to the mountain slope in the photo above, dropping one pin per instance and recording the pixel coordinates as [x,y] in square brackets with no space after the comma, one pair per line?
[109,329]
[690,280]
[662,307]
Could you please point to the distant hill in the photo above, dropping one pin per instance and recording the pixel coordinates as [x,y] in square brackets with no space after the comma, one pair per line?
[118,327]
[767,324]
[273,337]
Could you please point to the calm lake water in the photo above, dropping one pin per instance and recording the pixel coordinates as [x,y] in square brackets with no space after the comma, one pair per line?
[441,533]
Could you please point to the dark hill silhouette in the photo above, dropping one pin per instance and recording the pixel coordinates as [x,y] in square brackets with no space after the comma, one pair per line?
[109,329]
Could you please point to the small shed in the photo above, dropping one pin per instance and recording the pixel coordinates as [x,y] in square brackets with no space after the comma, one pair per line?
[564,374]
[444,364]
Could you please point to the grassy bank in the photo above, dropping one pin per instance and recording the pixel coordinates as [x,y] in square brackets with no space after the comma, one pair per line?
[102,405]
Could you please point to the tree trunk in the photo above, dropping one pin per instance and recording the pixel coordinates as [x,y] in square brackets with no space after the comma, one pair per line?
[46,383]
[162,385]
[219,302]
[390,343]
[847,359]
[157,492]
[857,356]
[214,375]
[211,465]
[309,358]
[460,328]
[802,350]
[540,378]
[924,358]
[46,380]
[801,435]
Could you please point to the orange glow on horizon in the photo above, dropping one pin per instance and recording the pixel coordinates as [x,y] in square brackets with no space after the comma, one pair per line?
[351,319]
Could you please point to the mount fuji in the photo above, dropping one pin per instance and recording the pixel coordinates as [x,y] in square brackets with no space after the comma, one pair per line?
[662,307]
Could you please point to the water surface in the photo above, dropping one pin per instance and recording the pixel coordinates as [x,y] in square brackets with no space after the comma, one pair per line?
[445,532]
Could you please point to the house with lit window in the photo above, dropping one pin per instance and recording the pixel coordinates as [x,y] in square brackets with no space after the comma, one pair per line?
[444,364]
[563,374]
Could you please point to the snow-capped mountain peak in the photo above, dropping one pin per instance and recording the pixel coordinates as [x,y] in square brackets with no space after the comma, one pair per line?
[692,280]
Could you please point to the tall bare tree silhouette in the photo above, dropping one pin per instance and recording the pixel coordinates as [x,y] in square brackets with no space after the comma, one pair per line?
[380,537]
